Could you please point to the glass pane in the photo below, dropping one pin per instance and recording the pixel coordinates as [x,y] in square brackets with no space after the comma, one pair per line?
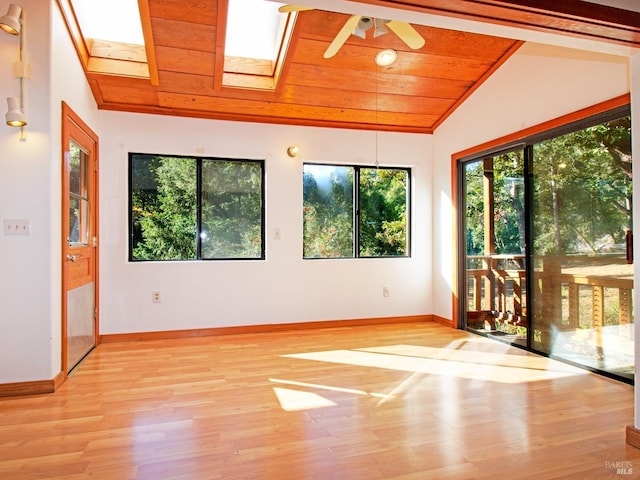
[495,246]
[477,301]
[79,228]
[328,211]
[581,219]
[78,180]
[383,212]
[78,221]
[163,208]
[231,209]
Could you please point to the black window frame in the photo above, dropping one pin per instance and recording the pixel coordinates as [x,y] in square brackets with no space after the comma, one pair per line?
[356,213]
[198,227]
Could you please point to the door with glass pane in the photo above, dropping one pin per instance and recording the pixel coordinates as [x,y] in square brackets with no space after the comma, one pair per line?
[581,232]
[494,226]
[79,252]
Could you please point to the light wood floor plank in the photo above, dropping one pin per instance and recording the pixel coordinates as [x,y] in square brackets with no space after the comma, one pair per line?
[403,402]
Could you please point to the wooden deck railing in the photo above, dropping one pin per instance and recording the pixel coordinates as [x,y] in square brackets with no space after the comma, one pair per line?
[573,295]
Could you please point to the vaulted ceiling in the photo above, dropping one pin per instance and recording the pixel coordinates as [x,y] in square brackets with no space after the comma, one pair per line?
[182,71]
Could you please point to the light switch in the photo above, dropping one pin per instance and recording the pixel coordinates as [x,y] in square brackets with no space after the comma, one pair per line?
[16,226]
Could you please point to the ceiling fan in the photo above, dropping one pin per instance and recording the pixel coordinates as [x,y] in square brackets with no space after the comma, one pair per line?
[358,25]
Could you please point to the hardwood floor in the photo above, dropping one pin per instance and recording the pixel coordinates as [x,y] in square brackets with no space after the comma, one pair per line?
[412,401]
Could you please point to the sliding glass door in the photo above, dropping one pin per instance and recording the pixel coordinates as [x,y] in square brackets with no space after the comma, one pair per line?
[582,270]
[546,235]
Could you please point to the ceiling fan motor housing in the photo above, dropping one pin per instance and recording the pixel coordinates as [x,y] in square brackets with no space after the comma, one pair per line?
[364,24]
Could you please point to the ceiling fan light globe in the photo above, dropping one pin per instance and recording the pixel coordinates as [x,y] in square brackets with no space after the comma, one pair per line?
[386,57]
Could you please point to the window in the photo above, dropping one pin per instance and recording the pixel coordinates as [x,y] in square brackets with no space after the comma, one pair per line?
[187,208]
[355,211]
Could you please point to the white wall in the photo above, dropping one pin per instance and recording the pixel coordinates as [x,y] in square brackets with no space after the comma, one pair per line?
[284,288]
[538,83]
[25,308]
[30,326]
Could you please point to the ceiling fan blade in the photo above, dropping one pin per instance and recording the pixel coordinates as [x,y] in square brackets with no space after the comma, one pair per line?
[407,34]
[293,8]
[342,36]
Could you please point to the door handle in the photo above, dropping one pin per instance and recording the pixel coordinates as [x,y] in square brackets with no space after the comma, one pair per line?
[72,258]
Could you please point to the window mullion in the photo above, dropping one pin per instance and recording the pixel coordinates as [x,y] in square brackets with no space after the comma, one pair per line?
[356,216]
[198,226]
[528,236]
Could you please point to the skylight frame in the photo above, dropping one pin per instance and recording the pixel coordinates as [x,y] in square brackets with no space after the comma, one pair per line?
[108,56]
[244,69]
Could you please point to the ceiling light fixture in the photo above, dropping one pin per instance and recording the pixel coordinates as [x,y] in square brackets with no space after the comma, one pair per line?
[386,57]
[10,22]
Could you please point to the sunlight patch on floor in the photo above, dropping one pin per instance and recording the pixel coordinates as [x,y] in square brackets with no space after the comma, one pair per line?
[327,387]
[295,400]
[454,360]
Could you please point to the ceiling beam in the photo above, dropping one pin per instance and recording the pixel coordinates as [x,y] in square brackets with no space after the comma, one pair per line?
[567,17]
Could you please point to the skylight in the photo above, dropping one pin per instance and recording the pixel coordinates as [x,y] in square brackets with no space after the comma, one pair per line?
[256,44]
[109,37]
[254,29]
[113,21]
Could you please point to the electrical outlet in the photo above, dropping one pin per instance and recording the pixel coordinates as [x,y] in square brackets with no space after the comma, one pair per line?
[16,226]
[155,296]
[386,292]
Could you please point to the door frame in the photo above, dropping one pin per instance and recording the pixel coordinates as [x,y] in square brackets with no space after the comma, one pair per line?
[69,119]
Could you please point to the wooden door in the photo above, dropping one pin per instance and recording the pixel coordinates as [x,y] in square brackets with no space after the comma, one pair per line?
[80,239]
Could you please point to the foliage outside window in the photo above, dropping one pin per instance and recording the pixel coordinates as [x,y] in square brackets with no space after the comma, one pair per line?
[583,197]
[507,173]
[187,208]
[582,193]
[353,211]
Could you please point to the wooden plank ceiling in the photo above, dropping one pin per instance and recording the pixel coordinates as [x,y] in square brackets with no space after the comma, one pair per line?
[349,90]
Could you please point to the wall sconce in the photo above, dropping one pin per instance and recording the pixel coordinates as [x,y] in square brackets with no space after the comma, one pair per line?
[15,116]
[10,22]
[13,23]
[293,150]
